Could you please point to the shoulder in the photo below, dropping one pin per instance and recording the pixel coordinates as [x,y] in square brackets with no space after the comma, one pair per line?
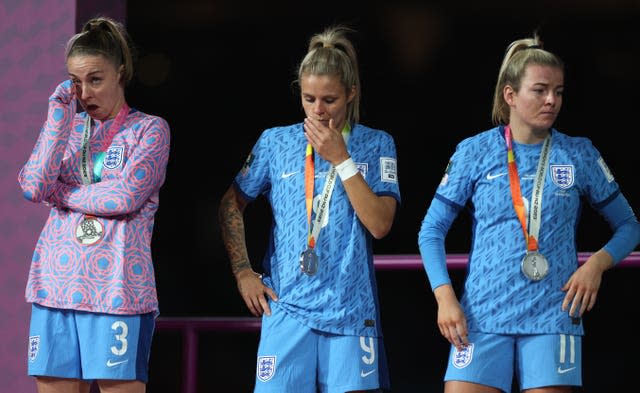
[577,146]
[281,131]
[575,141]
[483,140]
[141,120]
[370,133]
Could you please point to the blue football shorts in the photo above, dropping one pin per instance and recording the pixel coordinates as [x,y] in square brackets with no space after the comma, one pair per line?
[537,360]
[295,358]
[89,346]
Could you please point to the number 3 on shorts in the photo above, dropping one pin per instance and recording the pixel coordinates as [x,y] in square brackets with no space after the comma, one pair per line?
[122,330]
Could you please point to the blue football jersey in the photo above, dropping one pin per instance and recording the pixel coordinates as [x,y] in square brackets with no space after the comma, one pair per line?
[497,297]
[341,297]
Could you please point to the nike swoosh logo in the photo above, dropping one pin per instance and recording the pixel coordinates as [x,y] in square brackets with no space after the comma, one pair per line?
[491,177]
[111,364]
[288,174]
[564,370]
[363,374]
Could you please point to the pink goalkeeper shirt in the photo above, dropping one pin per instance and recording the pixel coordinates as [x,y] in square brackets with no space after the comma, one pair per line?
[111,272]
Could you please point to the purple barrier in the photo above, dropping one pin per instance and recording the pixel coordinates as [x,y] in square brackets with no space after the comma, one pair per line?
[190,326]
[459,261]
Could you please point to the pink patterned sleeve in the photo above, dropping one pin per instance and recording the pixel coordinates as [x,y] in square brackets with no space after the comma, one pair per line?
[142,175]
[39,175]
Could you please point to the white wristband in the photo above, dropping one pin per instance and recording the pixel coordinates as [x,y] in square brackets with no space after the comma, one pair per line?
[346,169]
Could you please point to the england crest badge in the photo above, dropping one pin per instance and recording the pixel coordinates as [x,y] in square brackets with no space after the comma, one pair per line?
[113,157]
[562,175]
[266,368]
[34,347]
[462,358]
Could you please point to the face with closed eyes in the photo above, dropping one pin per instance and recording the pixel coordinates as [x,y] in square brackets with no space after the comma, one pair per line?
[324,97]
[97,85]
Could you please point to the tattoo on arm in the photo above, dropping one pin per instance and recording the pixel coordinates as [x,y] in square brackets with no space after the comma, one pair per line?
[232,230]
[239,266]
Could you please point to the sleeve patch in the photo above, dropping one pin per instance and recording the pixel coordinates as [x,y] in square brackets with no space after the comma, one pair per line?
[247,164]
[605,170]
[445,177]
[388,170]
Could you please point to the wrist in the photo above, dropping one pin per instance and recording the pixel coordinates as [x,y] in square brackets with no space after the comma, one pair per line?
[241,267]
[347,169]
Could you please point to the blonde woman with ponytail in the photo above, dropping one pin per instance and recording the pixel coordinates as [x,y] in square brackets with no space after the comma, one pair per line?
[332,185]
[523,182]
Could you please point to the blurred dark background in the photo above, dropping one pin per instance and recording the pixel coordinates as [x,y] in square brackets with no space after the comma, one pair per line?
[220,72]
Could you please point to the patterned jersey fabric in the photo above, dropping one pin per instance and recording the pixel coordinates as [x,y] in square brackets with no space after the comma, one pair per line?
[115,274]
[497,297]
[342,297]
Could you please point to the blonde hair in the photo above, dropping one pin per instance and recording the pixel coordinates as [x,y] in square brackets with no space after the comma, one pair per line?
[106,37]
[332,53]
[519,55]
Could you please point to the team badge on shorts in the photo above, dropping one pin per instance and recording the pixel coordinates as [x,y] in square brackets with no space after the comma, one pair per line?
[113,157]
[266,367]
[562,175]
[34,347]
[461,359]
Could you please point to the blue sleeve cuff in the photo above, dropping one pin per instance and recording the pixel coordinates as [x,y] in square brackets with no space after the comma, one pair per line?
[626,229]
[431,240]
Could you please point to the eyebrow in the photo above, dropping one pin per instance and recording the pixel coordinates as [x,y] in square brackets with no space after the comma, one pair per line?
[545,84]
[89,74]
[321,96]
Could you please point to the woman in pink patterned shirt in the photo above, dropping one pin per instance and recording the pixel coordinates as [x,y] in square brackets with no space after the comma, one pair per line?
[99,165]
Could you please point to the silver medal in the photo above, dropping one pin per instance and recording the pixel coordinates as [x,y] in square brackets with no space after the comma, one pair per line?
[89,231]
[535,266]
[309,262]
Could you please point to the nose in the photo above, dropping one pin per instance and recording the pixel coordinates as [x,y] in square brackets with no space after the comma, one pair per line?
[319,108]
[551,98]
[85,91]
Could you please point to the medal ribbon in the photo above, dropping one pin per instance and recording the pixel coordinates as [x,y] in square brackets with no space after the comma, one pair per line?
[309,173]
[86,172]
[309,180]
[531,236]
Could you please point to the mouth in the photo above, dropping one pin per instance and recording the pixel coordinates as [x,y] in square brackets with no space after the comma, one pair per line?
[91,107]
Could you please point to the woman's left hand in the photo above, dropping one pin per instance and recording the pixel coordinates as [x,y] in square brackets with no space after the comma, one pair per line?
[583,285]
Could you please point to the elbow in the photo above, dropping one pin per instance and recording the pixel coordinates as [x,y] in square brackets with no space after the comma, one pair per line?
[113,207]
[381,231]
[33,188]
[32,193]
[32,196]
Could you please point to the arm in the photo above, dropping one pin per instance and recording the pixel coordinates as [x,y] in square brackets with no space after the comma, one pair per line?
[39,175]
[583,285]
[250,286]
[375,212]
[431,240]
[141,176]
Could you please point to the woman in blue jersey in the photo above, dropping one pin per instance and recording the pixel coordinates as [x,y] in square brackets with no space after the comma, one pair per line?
[332,186]
[523,182]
